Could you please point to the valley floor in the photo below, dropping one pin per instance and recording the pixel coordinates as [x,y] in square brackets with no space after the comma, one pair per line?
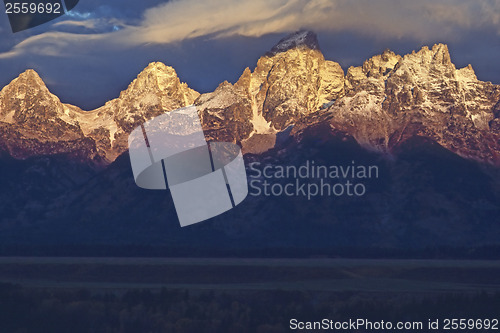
[226,274]
[131,295]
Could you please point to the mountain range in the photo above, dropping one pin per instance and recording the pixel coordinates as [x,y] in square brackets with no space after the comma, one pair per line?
[433,129]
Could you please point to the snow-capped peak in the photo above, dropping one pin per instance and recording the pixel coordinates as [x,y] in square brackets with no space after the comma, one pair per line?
[301,38]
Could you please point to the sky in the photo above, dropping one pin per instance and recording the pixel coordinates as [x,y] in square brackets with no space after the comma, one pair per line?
[89,55]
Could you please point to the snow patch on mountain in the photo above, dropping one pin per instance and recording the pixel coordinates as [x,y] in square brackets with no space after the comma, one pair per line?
[298,39]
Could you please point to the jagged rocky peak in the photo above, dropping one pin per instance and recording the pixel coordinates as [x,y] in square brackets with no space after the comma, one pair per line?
[381,65]
[377,67]
[299,39]
[27,100]
[160,78]
[434,63]
[156,73]
[159,67]
[289,82]
[26,86]
[417,66]
[431,76]
[439,54]
[157,89]
[27,82]
[467,73]
[226,113]
[34,122]
[415,71]
[222,97]
[29,77]
[392,98]
[292,80]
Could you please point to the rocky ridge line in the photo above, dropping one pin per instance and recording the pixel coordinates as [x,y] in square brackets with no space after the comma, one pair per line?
[382,103]
[391,98]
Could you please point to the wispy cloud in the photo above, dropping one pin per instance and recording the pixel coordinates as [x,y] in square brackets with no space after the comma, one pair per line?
[180,20]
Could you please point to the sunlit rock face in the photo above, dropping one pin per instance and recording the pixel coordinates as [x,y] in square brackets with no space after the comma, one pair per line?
[35,122]
[289,82]
[384,102]
[392,98]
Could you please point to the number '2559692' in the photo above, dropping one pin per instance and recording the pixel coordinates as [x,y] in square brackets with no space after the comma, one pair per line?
[28,14]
